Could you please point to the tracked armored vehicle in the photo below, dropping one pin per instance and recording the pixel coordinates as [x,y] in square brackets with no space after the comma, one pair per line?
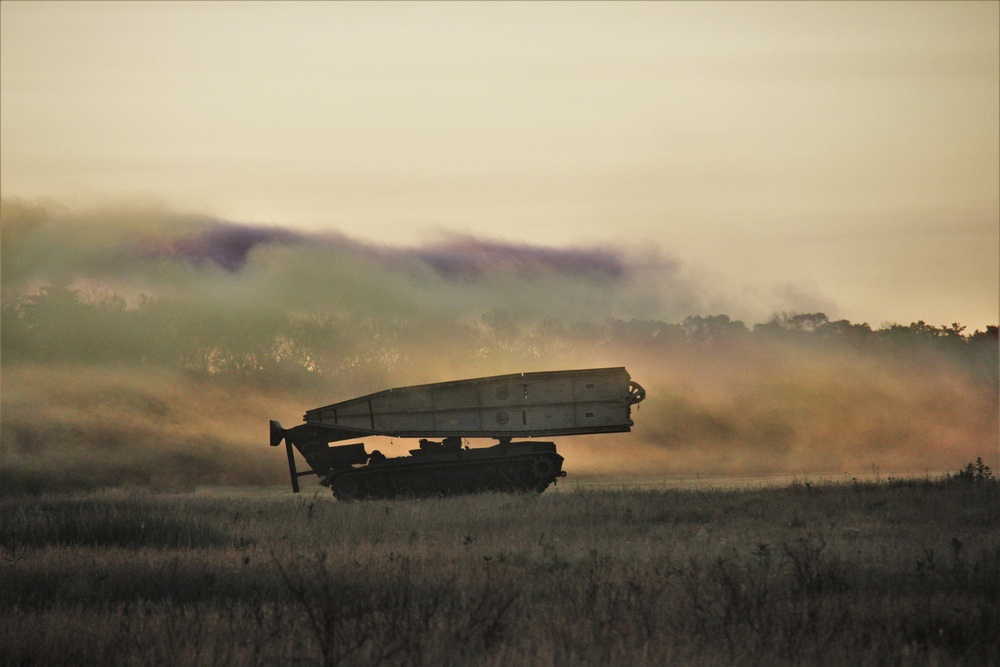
[442,416]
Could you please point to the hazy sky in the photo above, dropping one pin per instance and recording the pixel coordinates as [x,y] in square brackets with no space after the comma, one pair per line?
[841,157]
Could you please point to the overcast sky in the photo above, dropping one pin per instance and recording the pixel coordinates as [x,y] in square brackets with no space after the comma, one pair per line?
[841,157]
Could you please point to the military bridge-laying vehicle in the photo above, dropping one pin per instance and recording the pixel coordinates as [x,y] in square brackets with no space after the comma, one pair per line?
[443,415]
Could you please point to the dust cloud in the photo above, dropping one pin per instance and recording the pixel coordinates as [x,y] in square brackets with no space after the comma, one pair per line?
[144,347]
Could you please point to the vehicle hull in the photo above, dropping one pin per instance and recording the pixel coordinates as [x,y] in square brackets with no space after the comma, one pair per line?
[512,467]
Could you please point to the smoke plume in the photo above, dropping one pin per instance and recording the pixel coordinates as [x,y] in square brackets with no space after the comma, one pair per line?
[145,347]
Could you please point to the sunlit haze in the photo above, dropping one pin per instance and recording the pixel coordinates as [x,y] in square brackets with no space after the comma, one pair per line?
[836,157]
[782,218]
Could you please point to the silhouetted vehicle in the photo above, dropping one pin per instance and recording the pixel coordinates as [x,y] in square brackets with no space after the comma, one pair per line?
[442,415]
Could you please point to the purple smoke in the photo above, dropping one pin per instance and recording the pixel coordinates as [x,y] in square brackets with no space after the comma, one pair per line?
[458,258]
[469,259]
[227,245]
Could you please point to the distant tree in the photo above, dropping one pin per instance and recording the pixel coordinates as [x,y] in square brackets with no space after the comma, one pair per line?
[982,356]
[499,334]
[975,473]
[844,330]
[921,335]
[549,336]
[793,322]
[645,333]
[53,319]
[14,334]
[52,302]
[712,329]
[987,337]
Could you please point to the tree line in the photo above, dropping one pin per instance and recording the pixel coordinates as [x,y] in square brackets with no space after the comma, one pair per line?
[61,324]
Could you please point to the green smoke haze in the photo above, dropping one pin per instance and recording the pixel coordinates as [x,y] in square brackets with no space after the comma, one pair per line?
[149,348]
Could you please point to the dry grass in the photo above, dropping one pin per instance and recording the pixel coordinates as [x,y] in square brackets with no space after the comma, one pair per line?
[891,573]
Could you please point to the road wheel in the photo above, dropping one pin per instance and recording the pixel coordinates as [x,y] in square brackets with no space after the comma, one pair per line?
[345,488]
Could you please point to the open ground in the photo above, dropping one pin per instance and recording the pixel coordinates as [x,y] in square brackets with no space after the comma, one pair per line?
[893,572]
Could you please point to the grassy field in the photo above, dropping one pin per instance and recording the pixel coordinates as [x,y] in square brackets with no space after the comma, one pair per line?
[865,573]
